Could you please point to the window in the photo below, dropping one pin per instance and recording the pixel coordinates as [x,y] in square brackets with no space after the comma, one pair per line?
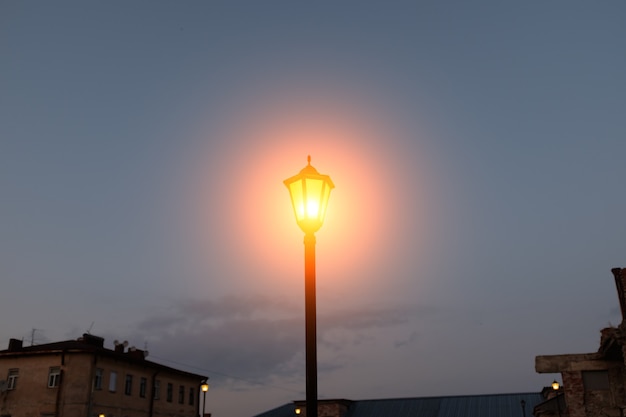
[143,382]
[157,389]
[181,394]
[12,378]
[97,379]
[54,376]
[113,381]
[170,392]
[191,396]
[595,380]
[128,384]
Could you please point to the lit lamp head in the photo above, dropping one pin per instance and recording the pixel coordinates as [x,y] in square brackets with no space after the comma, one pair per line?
[309,191]
[555,385]
[204,387]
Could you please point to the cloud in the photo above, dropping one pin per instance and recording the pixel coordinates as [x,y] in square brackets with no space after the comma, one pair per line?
[404,342]
[197,311]
[260,337]
[366,318]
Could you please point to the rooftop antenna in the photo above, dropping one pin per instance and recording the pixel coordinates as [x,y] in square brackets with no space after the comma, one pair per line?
[32,336]
[89,329]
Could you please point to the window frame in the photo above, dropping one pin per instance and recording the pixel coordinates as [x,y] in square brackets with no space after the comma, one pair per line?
[54,376]
[143,384]
[170,392]
[98,379]
[596,380]
[113,381]
[192,397]
[181,394]
[128,384]
[156,390]
[12,376]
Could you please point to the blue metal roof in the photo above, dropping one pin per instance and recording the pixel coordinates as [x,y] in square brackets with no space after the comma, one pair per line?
[287,410]
[494,405]
[422,407]
[498,405]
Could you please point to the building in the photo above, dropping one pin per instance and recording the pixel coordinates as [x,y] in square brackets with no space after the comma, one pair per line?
[82,378]
[495,405]
[593,383]
[554,404]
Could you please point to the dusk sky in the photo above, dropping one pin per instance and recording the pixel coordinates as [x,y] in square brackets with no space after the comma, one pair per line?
[477,149]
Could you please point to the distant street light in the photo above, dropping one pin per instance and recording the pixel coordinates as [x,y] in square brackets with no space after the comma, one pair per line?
[556,387]
[310,191]
[204,387]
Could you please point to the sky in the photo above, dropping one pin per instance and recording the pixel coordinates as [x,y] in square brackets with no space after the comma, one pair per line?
[477,149]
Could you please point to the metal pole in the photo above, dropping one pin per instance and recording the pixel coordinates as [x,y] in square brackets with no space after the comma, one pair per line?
[310,325]
[203,403]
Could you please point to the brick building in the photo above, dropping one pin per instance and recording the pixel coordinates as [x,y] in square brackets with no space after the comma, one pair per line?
[82,378]
[593,383]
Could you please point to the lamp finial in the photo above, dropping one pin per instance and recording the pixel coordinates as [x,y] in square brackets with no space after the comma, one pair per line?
[308,159]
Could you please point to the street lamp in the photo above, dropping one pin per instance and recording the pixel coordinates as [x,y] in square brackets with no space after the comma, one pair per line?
[309,191]
[555,387]
[204,387]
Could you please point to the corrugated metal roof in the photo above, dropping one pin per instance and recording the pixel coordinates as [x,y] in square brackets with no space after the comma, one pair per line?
[287,410]
[494,405]
[422,407]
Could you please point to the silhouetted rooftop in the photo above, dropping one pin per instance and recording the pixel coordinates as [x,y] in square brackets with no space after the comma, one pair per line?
[92,345]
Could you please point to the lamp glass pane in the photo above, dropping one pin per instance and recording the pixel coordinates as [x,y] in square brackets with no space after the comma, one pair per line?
[297,199]
[313,197]
[324,204]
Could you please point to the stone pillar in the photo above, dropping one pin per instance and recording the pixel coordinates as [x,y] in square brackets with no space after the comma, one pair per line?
[574,393]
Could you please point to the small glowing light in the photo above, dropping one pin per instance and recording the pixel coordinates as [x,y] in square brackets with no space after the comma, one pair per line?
[555,385]
[298,411]
[204,387]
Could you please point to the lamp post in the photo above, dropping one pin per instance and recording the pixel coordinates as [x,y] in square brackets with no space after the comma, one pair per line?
[204,387]
[309,191]
[555,387]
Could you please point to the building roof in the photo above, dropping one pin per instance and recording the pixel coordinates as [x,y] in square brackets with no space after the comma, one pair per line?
[552,405]
[92,345]
[494,405]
